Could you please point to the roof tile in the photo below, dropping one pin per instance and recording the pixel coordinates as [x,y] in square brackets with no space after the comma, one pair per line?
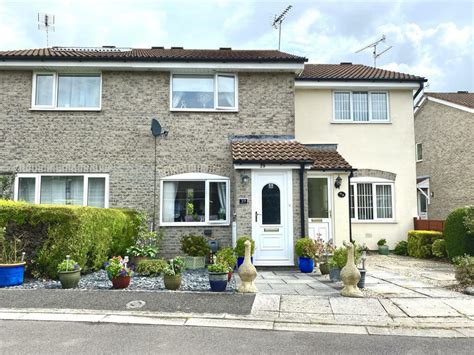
[459,98]
[328,72]
[152,54]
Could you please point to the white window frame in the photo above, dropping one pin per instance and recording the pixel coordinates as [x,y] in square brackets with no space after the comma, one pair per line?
[54,106]
[198,177]
[351,120]
[85,188]
[216,101]
[374,182]
[417,150]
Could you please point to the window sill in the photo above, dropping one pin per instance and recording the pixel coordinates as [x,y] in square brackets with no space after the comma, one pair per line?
[362,122]
[80,109]
[194,224]
[419,161]
[202,110]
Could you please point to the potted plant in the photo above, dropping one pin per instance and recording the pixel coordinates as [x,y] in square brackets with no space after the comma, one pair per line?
[12,267]
[240,249]
[339,260]
[196,249]
[383,247]
[218,276]
[147,242]
[226,256]
[326,250]
[119,272]
[172,273]
[69,273]
[306,249]
[363,256]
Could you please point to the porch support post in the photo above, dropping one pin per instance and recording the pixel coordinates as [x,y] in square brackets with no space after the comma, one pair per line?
[303,229]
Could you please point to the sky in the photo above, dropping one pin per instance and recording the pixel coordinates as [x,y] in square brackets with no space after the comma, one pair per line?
[433,38]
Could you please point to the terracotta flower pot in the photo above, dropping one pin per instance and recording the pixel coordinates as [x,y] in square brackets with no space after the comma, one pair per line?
[172,282]
[120,282]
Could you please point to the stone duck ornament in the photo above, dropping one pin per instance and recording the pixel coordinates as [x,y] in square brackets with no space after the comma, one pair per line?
[350,275]
[247,272]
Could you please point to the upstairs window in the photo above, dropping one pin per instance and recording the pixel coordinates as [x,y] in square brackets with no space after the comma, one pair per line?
[66,91]
[204,92]
[360,106]
[419,152]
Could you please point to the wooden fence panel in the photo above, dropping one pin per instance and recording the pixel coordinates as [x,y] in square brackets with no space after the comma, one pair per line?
[428,224]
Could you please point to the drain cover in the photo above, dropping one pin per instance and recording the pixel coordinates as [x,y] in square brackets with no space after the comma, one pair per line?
[135,304]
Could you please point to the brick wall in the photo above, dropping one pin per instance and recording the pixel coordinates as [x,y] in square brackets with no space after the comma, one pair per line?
[117,140]
[446,134]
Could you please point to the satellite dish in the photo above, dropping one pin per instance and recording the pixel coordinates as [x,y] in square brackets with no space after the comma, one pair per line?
[155,127]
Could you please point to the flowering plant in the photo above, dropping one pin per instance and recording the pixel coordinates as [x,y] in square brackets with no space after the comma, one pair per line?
[68,265]
[175,267]
[117,267]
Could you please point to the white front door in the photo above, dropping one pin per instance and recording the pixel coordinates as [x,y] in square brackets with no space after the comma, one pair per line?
[272,217]
[319,208]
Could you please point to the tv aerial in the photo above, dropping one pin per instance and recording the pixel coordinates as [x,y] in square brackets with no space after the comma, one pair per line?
[374,45]
[278,20]
[46,23]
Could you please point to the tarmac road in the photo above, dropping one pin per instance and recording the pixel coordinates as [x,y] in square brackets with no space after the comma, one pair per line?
[30,337]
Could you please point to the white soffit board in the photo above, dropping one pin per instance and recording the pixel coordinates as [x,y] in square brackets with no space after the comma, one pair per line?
[310,84]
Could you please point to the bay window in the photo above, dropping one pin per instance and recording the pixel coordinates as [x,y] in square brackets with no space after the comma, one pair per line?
[195,199]
[63,189]
[372,201]
[360,106]
[203,92]
[63,91]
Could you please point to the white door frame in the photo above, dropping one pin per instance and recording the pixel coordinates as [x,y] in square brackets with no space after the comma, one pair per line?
[287,225]
[329,220]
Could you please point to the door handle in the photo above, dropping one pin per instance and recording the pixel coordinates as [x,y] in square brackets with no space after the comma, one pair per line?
[256,216]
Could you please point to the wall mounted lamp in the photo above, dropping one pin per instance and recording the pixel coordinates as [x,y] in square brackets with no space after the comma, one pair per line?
[245,179]
[338,182]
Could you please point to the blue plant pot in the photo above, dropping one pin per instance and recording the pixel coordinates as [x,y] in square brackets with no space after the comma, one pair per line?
[218,281]
[306,264]
[240,261]
[12,274]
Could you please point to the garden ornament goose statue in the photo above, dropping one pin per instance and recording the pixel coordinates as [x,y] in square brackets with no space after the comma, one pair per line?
[247,272]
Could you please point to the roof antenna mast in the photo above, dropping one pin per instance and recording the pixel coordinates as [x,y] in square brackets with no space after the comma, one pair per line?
[46,23]
[374,46]
[277,21]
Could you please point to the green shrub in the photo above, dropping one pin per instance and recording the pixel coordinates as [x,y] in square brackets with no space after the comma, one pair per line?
[194,245]
[88,234]
[420,242]
[464,266]
[458,240]
[151,267]
[240,246]
[469,221]
[382,242]
[218,268]
[401,248]
[339,257]
[306,248]
[226,256]
[439,248]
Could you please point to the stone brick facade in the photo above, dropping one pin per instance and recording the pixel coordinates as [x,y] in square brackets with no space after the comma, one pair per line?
[446,134]
[117,139]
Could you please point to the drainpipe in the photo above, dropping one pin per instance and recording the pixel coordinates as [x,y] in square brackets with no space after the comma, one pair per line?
[422,85]
[351,174]
[303,229]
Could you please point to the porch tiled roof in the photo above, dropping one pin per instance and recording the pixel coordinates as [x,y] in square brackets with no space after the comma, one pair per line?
[269,151]
[327,159]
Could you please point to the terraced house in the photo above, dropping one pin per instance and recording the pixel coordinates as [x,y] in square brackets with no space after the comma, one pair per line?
[75,127]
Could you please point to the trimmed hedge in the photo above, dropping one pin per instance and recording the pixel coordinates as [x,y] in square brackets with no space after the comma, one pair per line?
[458,240]
[420,243]
[89,235]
